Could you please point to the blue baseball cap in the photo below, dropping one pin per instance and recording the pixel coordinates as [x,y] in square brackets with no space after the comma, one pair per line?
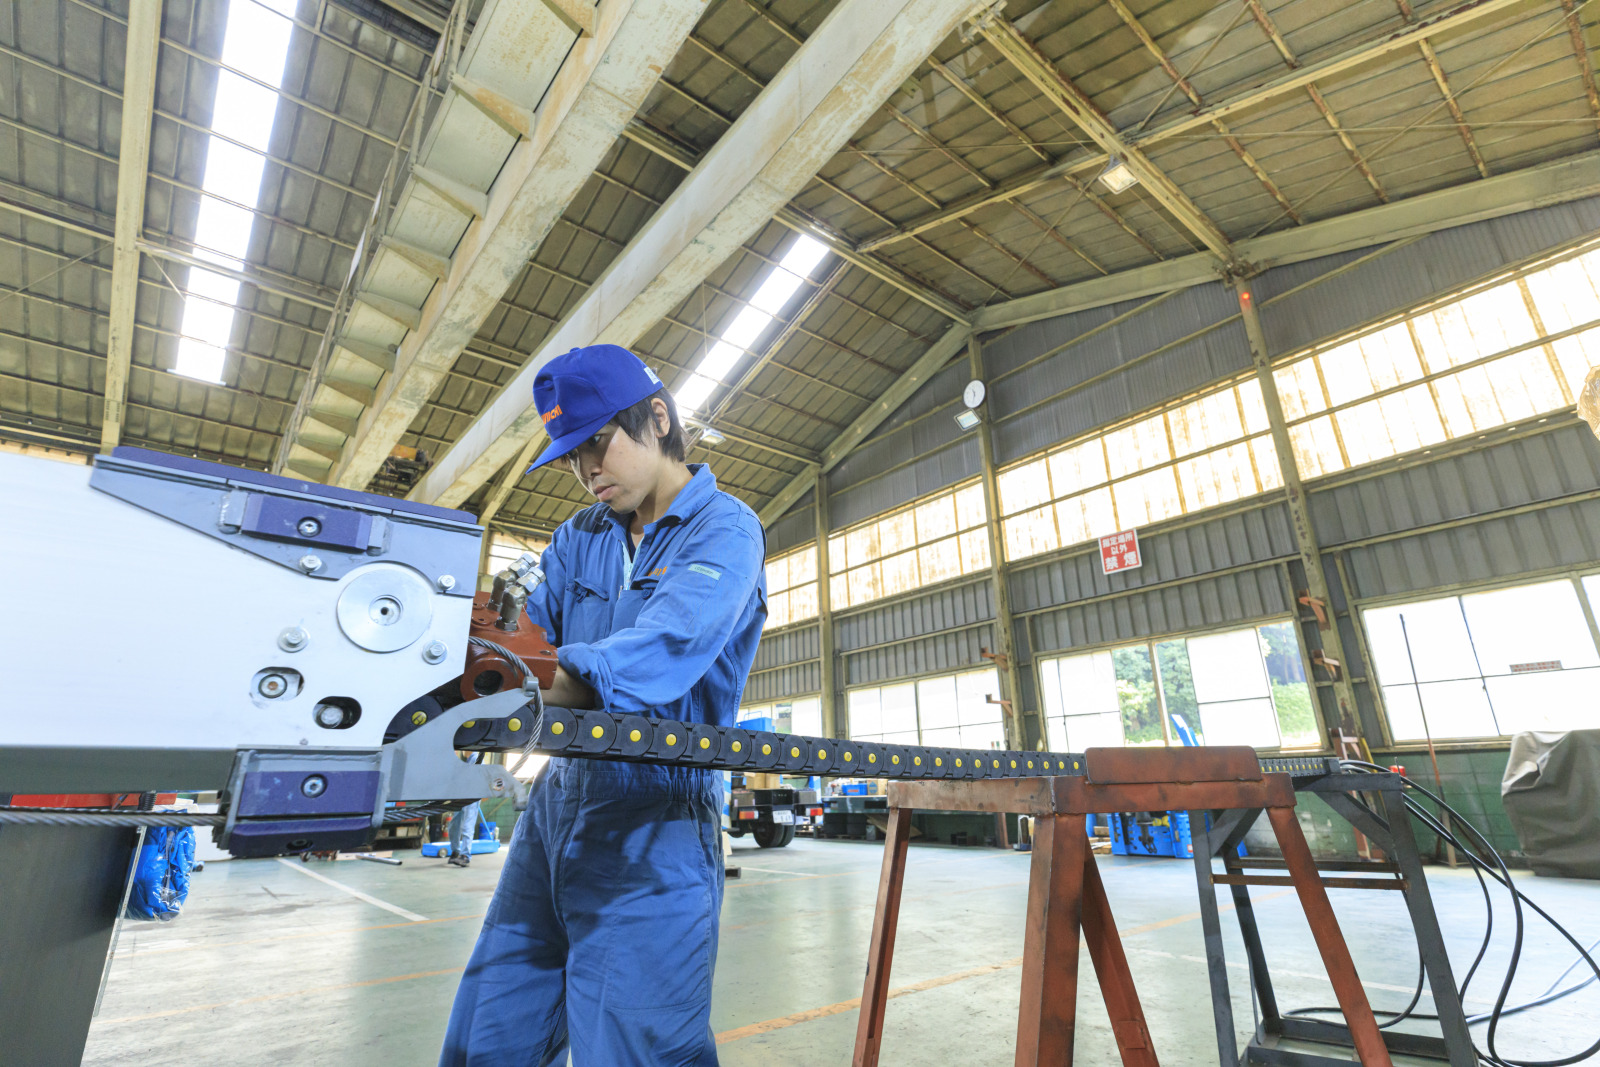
[579,392]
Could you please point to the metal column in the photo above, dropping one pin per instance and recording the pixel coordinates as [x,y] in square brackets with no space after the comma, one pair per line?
[1305,536]
[831,727]
[1005,644]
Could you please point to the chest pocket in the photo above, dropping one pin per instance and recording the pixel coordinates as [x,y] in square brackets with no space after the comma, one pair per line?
[588,615]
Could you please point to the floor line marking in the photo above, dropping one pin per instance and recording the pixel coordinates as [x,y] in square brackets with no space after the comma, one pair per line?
[353,891]
[332,931]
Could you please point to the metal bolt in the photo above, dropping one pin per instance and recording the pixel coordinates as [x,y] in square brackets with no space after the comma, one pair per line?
[272,685]
[499,783]
[314,785]
[329,717]
[293,639]
[447,582]
[310,564]
[309,527]
[436,652]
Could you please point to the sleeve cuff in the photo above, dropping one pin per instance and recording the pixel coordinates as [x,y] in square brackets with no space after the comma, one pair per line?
[582,662]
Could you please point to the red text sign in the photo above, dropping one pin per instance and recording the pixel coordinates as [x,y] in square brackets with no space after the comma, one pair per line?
[1120,552]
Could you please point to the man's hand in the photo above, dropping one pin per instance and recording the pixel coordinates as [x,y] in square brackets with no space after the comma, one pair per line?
[568,692]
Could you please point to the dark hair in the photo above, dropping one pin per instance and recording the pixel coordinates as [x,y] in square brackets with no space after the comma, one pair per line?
[638,422]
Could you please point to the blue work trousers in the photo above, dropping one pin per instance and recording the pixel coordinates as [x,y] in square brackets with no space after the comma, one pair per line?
[463,828]
[602,934]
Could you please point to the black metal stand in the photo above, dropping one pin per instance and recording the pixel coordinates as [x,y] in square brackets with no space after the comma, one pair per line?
[1390,830]
[62,887]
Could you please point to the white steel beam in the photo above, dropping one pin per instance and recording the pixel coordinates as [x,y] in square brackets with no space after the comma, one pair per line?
[133,166]
[861,53]
[1505,194]
[601,85]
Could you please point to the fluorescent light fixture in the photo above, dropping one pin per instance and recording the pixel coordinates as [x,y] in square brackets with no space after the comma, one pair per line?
[967,419]
[746,327]
[1117,176]
[255,44]
[692,393]
[711,438]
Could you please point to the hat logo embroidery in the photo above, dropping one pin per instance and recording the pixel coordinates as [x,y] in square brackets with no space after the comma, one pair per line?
[551,414]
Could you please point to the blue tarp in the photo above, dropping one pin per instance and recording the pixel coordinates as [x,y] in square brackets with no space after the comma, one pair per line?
[161,879]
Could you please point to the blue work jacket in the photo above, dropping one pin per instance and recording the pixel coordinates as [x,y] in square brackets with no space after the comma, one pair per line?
[674,633]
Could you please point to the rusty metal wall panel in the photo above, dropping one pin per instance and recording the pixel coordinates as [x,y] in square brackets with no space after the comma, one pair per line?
[801,679]
[944,609]
[1228,541]
[796,645]
[1556,463]
[1494,549]
[1430,267]
[1243,596]
[937,654]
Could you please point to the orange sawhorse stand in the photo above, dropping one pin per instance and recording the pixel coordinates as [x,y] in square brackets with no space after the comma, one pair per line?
[1065,892]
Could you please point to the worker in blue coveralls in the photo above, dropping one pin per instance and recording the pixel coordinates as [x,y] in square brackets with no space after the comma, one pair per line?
[602,935]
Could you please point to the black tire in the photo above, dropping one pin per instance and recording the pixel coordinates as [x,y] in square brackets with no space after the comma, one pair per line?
[772,835]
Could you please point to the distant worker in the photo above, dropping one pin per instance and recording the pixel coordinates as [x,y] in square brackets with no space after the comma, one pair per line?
[602,934]
[463,827]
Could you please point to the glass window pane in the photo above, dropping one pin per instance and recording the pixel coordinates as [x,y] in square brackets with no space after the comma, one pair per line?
[1136,696]
[1565,294]
[1554,700]
[1455,710]
[899,704]
[1086,516]
[1030,533]
[839,591]
[803,602]
[1089,682]
[1147,498]
[949,737]
[983,735]
[936,519]
[865,710]
[1531,624]
[1050,690]
[778,574]
[836,554]
[896,532]
[1316,447]
[1437,637]
[975,551]
[1291,695]
[1576,355]
[1227,666]
[1023,487]
[803,566]
[973,690]
[1299,389]
[805,717]
[1200,424]
[1241,722]
[1076,468]
[865,584]
[1217,477]
[970,510]
[941,561]
[936,703]
[1525,384]
[1267,469]
[900,574]
[778,610]
[1177,686]
[862,545]
[1136,447]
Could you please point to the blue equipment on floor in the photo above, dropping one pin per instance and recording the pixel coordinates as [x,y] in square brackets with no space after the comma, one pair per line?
[485,839]
[161,878]
[1157,833]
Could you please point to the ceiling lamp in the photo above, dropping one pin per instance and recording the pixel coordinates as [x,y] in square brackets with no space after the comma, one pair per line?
[1117,176]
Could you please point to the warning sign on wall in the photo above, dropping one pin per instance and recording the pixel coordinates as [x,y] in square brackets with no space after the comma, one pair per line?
[1120,552]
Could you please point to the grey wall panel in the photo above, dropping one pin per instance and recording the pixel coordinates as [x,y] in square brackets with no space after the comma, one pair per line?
[938,654]
[944,609]
[942,388]
[1409,275]
[1006,353]
[790,646]
[797,527]
[781,684]
[1244,596]
[926,475]
[1559,462]
[1494,549]
[1235,540]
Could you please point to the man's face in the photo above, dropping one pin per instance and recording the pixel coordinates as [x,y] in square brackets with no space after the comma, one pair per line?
[617,470]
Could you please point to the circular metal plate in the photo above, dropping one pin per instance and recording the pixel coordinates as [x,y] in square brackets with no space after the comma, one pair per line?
[385,607]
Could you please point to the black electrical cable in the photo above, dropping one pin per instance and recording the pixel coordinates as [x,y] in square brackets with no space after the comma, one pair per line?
[1502,874]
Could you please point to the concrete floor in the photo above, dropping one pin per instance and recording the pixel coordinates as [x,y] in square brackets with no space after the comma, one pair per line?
[268,965]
